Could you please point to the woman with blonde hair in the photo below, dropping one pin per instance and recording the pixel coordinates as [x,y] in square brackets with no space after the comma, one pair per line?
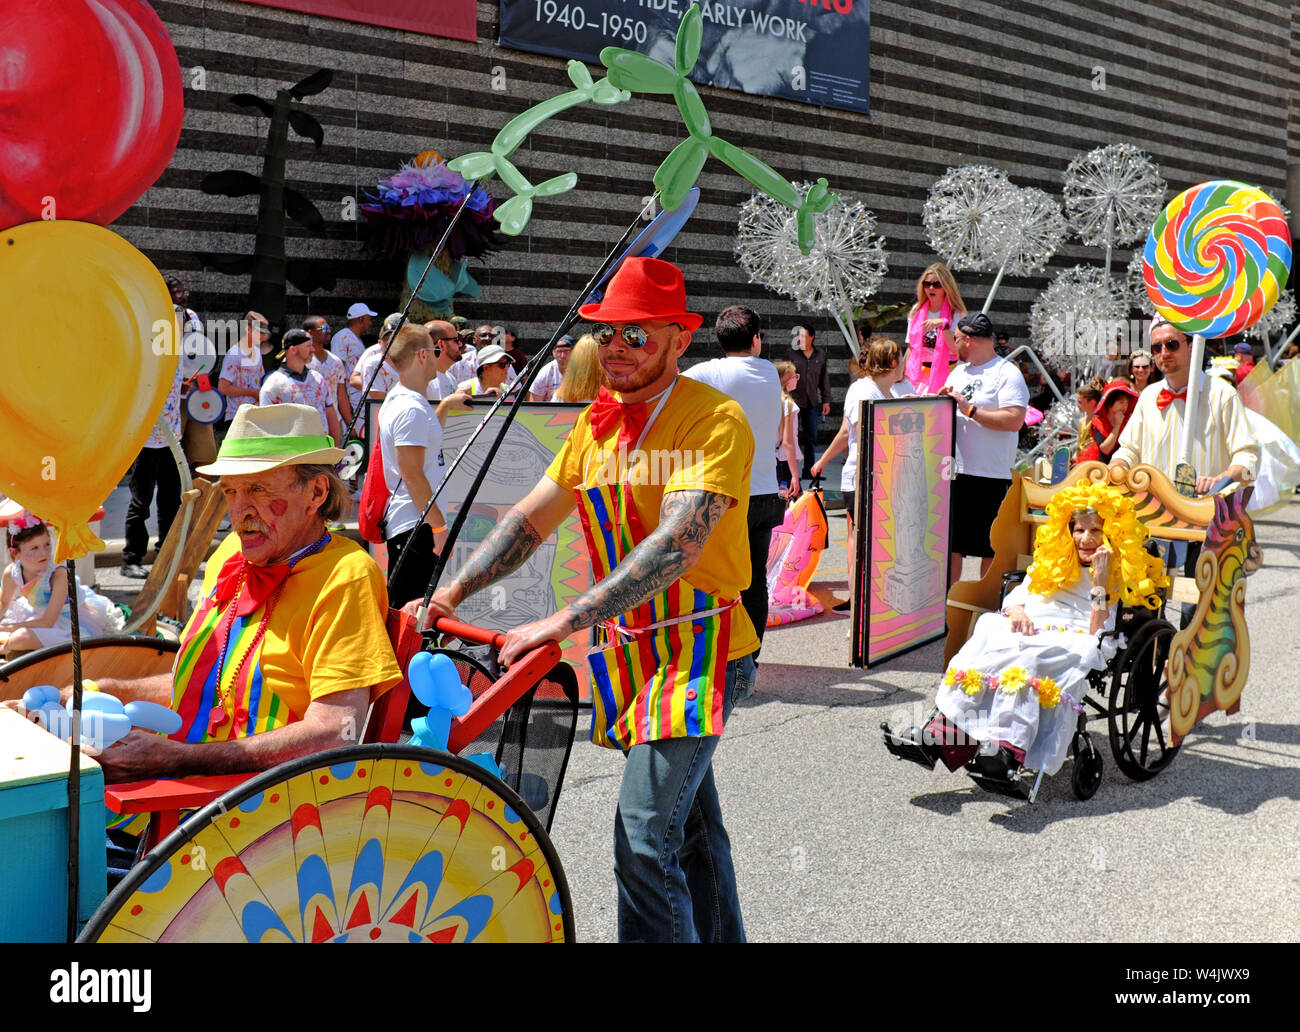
[930,327]
[582,379]
[787,446]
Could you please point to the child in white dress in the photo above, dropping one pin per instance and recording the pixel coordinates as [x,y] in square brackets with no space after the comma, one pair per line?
[34,595]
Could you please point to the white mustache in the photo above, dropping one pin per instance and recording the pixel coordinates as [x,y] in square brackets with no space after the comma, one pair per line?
[250,526]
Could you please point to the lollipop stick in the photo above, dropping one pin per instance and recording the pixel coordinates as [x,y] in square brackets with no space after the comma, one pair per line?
[1193,397]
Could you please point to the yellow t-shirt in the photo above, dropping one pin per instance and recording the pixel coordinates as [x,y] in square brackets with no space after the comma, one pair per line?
[326,633]
[700,441]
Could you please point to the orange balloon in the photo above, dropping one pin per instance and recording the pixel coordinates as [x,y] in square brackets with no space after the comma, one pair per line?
[427,158]
[90,357]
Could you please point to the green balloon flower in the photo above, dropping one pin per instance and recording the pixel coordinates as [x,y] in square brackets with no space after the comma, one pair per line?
[514,214]
[680,170]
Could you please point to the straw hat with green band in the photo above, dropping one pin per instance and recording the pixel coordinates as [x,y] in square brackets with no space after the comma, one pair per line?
[265,437]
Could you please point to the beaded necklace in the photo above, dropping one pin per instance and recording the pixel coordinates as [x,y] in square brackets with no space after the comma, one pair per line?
[219,714]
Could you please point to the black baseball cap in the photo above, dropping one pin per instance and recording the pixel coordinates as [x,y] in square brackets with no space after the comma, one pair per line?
[976,324]
[290,339]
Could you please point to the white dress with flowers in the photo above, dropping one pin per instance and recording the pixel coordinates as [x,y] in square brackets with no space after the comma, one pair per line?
[1058,657]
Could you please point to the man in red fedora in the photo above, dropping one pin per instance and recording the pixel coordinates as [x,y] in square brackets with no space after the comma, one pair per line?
[658,468]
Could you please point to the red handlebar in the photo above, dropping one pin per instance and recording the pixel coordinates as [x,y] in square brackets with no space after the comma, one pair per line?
[467,632]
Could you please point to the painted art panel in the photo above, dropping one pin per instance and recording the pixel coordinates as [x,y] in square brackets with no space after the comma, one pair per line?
[903,526]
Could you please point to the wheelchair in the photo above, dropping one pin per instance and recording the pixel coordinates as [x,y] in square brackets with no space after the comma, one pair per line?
[1128,693]
[1162,680]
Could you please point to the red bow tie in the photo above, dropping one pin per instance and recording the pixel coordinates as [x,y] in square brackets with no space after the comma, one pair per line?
[608,412]
[259,583]
[1166,396]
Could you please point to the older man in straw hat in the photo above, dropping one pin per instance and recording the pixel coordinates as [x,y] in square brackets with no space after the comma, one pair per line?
[288,647]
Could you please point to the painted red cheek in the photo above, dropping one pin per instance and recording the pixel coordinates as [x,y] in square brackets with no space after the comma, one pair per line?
[279,506]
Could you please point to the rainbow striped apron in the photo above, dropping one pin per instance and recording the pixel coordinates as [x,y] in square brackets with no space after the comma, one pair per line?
[251,706]
[217,681]
[660,670]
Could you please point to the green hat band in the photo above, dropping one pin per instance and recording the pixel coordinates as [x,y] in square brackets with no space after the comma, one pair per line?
[252,447]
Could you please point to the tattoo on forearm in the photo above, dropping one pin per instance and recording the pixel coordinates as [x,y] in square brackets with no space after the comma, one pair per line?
[685,521]
[503,551]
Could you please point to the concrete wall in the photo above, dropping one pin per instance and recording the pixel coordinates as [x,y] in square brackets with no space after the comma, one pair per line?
[1206,88]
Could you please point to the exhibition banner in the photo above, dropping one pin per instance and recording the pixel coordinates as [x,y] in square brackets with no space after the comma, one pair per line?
[809,51]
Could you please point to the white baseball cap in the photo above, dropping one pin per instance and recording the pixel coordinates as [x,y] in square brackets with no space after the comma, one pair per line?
[360,309]
[490,355]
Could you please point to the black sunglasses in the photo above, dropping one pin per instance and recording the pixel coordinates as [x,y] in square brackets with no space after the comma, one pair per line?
[932,286]
[1171,347]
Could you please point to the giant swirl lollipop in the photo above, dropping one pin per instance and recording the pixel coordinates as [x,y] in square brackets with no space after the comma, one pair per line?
[1217,258]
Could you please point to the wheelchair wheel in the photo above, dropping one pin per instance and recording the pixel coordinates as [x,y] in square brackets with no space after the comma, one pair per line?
[1085,779]
[369,843]
[1139,743]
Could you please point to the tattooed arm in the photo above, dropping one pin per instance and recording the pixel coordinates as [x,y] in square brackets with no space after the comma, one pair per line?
[507,547]
[686,519]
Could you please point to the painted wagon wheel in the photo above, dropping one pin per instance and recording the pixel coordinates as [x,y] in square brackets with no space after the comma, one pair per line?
[1140,743]
[369,843]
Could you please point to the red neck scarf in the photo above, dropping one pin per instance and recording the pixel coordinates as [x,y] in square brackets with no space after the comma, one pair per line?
[608,412]
[259,582]
[1166,397]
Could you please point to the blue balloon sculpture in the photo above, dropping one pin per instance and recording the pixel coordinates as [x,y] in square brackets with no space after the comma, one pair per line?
[104,720]
[435,683]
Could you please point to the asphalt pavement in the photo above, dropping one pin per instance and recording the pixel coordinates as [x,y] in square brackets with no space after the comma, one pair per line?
[835,840]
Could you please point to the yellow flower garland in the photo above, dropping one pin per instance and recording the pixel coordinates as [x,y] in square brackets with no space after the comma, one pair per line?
[1012,680]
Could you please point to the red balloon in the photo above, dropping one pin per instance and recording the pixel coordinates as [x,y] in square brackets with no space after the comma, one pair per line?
[91,107]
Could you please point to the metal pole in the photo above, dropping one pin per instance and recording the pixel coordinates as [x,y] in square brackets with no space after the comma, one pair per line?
[74,761]
[993,290]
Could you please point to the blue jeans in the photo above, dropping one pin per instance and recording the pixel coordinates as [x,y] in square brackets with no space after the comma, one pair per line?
[672,856]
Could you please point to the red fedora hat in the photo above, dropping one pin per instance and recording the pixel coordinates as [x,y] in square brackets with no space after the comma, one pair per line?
[644,288]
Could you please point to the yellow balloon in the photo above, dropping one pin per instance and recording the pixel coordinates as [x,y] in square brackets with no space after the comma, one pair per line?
[85,315]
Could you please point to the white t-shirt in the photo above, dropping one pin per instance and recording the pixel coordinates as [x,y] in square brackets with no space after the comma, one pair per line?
[548,381]
[442,385]
[789,409]
[347,345]
[754,384]
[406,419]
[387,378]
[997,383]
[861,390]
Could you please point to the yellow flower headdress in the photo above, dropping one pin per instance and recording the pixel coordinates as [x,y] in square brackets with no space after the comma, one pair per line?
[1136,576]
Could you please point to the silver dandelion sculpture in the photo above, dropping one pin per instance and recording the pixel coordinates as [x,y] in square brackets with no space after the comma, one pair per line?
[845,267]
[962,213]
[1026,232]
[1077,317]
[1113,195]
[1136,295]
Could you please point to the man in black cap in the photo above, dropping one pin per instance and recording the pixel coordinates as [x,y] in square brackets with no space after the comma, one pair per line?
[991,399]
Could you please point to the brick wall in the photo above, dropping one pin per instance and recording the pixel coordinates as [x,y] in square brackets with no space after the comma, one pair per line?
[1206,88]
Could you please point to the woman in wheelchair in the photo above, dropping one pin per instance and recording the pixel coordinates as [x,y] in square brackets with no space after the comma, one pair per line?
[1011,695]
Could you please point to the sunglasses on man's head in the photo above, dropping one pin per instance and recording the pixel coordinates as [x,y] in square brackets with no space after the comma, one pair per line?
[633,336]
[1170,347]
